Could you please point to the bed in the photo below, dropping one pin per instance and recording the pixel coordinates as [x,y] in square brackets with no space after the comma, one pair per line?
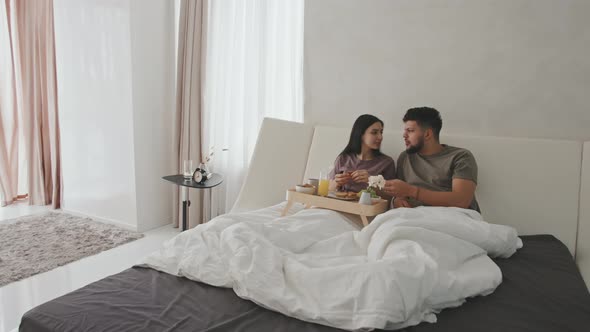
[542,288]
[140,299]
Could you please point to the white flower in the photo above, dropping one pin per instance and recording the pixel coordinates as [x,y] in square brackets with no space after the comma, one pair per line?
[377,181]
[207,159]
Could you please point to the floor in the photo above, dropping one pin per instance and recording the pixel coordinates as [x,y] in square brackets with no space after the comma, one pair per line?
[21,296]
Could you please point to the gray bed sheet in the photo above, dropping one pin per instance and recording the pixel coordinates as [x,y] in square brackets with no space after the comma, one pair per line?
[542,290]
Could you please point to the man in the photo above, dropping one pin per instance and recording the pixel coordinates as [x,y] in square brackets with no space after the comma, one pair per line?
[430,173]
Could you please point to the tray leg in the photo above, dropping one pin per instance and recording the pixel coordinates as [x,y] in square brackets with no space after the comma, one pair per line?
[365,220]
[287,207]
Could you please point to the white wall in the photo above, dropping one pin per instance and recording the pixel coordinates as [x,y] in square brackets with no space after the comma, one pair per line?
[114,87]
[93,57]
[502,68]
[152,60]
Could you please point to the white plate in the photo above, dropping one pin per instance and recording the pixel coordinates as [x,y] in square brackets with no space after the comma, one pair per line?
[332,195]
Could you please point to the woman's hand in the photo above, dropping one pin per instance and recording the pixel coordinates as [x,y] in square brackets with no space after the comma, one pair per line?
[360,176]
[342,178]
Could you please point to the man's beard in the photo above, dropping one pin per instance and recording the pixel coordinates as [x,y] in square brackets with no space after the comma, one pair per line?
[416,148]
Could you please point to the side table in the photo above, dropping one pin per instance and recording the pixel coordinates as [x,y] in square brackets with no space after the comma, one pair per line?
[186,183]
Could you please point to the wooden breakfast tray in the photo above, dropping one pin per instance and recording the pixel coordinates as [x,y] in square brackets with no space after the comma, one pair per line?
[353,207]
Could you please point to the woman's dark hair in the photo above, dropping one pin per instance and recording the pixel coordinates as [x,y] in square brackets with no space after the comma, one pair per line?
[356,135]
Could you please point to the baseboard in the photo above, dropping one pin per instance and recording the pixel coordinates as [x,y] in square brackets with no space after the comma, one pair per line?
[156,226]
[101,219]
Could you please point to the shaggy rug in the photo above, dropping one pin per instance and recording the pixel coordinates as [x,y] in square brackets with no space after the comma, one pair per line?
[41,242]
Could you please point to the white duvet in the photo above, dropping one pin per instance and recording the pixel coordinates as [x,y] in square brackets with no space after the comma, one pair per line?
[314,265]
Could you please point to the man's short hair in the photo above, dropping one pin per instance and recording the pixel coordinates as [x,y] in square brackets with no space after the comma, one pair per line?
[425,117]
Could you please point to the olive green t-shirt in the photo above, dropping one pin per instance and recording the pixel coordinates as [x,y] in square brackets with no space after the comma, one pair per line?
[436,172]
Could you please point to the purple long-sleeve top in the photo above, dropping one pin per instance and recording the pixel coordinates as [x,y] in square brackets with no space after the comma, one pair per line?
[382,164]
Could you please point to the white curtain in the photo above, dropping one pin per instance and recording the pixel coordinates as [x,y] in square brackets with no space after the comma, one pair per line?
[254,69]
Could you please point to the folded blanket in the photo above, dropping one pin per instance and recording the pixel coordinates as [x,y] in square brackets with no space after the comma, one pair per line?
[314,265]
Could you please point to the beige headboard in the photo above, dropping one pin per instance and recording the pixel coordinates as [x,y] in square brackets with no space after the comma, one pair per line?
[277,163]
[583,246]
[530,184]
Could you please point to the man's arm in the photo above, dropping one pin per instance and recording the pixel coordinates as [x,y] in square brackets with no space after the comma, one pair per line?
[461,195]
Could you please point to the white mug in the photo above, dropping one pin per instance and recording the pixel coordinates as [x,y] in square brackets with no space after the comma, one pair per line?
[366,198]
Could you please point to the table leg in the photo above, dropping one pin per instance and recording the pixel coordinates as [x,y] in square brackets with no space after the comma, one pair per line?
[185,204]
[184,212]
[365,220]
[287,207]
[209,212]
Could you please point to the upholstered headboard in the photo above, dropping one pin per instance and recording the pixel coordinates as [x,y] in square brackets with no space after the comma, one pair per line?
[277,163]
[583,244]
[530,184]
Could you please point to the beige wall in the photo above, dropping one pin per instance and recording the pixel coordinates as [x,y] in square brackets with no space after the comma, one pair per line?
[501,67]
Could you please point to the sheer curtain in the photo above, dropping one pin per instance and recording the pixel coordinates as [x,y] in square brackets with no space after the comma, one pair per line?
[254,69]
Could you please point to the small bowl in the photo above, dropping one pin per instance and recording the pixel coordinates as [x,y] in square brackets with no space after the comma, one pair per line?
[305,190]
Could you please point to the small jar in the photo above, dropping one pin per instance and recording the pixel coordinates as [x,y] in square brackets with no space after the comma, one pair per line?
[366,198]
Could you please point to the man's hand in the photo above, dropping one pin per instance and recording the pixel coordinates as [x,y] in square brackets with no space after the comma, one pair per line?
[399,188]
[400,202]
[461,195]
[360,176]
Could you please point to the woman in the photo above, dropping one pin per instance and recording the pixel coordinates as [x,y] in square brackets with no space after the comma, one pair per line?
[362,157]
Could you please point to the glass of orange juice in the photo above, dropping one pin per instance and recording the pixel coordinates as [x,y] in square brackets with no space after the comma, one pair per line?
[324,184]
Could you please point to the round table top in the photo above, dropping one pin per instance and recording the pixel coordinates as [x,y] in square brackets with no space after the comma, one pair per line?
[179,179]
